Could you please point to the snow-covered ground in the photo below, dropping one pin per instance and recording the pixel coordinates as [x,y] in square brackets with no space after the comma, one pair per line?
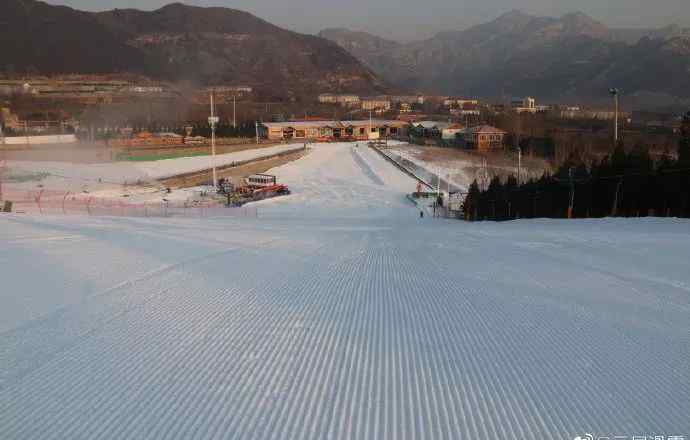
[341,180]
[459,167]
[75,176]
[339,313]
[449,171]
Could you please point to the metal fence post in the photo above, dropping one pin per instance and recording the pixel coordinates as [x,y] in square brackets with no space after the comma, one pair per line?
[38,201]
[63,202]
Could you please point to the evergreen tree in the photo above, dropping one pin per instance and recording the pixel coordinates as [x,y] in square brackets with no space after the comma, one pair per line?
[471,205]
[494,198]
[618,160]
[683,178]
[623,184]
[510,198]
[684,143]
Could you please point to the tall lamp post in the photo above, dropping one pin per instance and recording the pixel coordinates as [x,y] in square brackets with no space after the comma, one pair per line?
[234,111]
[213,121]
[2,163]
[614,93]
[519,168]
[2,172]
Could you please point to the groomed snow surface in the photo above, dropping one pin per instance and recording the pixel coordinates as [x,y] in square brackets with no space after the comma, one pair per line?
[340,314]
[71,176]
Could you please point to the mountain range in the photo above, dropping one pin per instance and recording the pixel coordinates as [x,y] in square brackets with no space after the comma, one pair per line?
[514,55]
[176,43]
[519,54]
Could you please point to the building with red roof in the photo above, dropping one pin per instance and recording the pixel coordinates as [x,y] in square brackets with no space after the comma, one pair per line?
[483,138]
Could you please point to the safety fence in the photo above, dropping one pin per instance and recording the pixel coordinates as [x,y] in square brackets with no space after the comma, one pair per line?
[71,203]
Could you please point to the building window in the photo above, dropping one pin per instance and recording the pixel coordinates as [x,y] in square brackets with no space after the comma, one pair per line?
[374,129]
[362,131]
[394,130]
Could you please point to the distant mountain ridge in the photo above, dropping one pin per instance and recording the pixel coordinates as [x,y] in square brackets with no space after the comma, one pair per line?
[177,42]
[42,38]
[519,54]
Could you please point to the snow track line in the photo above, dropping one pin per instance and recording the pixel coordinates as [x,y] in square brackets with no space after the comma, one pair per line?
[403,169]
[423,350]
[209,424]
[611,379]
[366,168]
[20,334]
[629,282]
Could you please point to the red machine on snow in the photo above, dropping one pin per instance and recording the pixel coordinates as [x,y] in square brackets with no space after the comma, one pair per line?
[266,184]
[261,181]
[258,187]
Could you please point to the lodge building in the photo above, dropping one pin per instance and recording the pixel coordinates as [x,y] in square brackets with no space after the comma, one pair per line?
[333,130]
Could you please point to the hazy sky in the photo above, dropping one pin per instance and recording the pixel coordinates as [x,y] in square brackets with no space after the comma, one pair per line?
[412,19]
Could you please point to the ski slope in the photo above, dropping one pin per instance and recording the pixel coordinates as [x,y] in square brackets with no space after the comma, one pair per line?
[340,314]
[341,180]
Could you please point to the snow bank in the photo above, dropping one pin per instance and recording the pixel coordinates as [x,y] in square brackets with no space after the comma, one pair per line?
[71,176]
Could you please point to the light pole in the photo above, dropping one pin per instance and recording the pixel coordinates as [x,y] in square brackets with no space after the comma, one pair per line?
[370,125]
[234,112]
[2,172]
[212,121]
[614,92]
[572,193]
[519,164]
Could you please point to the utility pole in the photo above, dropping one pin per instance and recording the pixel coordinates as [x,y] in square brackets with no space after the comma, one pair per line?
[257,132]
[614,92]
[484,175]
[572,193]
[519,165]
[213,120]
[234,112]
[2,173]
[614,211]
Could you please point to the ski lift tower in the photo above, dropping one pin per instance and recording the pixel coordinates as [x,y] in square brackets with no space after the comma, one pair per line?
[213,121]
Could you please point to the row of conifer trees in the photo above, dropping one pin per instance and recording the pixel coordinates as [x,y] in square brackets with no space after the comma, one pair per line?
[628,184]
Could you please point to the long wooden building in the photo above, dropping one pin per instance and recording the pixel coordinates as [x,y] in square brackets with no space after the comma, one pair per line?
[334,130]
